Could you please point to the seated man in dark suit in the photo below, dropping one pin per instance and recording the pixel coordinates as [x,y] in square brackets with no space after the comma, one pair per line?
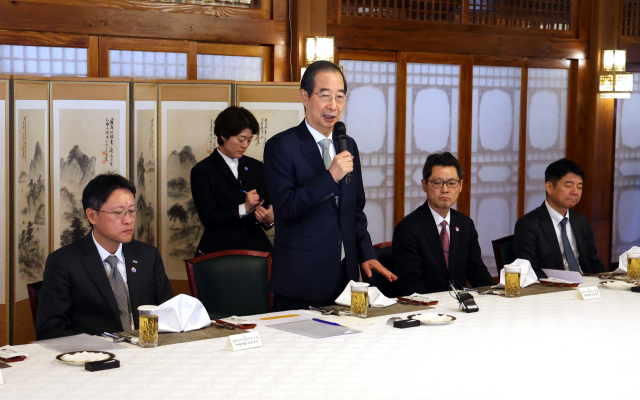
[435,244]
[96,283]
[552,238]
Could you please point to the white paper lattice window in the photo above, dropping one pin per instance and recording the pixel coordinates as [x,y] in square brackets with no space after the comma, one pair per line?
[494,155]
[626,182]
[235,68]
[370,119]
[546,128]
[147,64]
[43,61]
[432,122]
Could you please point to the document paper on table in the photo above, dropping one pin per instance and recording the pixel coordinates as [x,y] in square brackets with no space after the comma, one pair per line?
[315,329]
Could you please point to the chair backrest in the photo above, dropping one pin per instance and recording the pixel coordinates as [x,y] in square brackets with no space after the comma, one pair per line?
[33,289]
[503,251]
[385,256]
[231,282]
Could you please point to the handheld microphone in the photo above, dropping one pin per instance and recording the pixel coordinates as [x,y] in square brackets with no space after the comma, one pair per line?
[340,138]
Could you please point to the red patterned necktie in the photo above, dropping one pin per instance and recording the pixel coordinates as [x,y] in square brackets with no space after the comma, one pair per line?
[444,239]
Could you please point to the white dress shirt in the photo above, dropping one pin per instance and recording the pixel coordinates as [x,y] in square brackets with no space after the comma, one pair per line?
[233,166]
[122,267]
[438,218]
[556,219]
[318,137]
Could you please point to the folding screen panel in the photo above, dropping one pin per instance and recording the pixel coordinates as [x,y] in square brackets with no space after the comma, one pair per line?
[4,223]
[494,154]
[626,193]
[431,122]
[145,160]
[187,114]
[370,119]
[276,106]
[31,196]
[90,124]
[546,128]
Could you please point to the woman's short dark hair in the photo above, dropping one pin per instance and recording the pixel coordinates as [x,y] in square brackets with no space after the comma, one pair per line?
[557,169]
[444,159]
[98,190]
[232,121]
[308,82]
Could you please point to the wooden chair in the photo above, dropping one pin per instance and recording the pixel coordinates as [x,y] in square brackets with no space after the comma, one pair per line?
[33,289]
[385,256]
[503,251]
[231,282]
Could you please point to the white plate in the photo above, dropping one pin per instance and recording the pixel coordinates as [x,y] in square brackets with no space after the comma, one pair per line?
[432,319]
[92,356]
[617,285]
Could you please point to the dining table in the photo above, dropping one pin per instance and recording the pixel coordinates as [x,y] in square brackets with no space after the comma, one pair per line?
[545,346]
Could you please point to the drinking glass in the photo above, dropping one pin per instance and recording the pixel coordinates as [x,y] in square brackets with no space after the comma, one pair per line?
[148,326]
[359,299]
[511,281]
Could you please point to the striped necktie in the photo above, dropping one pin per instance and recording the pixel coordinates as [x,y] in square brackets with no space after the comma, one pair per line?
[568,251]
[120,293]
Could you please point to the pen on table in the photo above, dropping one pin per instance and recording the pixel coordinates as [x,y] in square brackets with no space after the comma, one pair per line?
[325,322]
[245,192]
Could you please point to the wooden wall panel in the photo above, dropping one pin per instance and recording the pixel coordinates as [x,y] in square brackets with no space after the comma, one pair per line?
[23,331]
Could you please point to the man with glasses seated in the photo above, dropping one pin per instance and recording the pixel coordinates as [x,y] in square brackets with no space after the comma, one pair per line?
[435,244]
[96,283]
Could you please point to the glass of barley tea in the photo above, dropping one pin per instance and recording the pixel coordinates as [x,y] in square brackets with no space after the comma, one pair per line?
[148,326]
[511,281]
[359,299]
[633,267]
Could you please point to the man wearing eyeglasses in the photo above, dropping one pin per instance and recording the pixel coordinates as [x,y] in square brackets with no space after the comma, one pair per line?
[321,229]
[96,283]
[435,244]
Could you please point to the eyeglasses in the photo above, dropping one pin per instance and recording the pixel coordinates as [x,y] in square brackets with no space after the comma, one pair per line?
[325,97]
[451,183]
[120,214]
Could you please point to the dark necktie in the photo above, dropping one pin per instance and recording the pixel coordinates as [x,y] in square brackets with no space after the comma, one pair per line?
[568,251]
[444,239]
[120,292]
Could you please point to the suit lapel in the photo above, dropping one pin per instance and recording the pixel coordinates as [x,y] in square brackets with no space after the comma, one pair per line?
[132,263]
[454,240]
[243,171]
[431,231]
[310,149]
[96,270]
[582,258]
[221,165]
[550,234]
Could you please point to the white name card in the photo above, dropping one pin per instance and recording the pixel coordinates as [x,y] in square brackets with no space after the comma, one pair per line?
[589,293]
[243,341]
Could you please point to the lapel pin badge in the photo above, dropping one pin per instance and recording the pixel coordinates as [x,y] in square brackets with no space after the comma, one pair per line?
[457,229]
[135,261]
[246,168]
[133,269]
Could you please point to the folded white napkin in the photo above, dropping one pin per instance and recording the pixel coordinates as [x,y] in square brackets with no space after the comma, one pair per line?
[527,274]
[181,314]
[622,260]
[376,298]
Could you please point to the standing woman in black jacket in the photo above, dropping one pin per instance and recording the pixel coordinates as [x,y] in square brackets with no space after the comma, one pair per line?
[229,190]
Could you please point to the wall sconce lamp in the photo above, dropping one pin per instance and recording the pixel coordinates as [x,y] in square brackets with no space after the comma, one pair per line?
[615,83]
[318,48]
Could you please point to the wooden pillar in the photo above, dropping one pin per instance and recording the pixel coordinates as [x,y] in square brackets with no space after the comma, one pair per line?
[591,138]
[309,18]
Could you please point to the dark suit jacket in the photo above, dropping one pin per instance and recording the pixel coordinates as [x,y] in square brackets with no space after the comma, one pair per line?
[535,240]
[76,296]
[216,194]
[418,257]
[311,227]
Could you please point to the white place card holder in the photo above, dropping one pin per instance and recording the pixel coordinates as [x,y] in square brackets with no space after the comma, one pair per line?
[243,341]
[589,293]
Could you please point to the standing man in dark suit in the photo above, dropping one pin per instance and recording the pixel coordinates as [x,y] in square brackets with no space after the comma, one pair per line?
[435,244]
[552,238]
[321,233]
[96,284]
[228,189]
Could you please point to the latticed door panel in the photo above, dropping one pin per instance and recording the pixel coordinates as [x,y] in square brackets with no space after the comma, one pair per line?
[631,18]
[417,10]
[540,14]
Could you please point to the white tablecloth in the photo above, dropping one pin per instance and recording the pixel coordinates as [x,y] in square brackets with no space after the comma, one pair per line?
[536,347]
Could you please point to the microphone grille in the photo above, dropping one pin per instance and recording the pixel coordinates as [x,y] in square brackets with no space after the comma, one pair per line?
[339,129]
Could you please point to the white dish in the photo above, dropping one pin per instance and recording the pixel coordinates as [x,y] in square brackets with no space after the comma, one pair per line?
[433,319]
[82,357]
[617,285]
